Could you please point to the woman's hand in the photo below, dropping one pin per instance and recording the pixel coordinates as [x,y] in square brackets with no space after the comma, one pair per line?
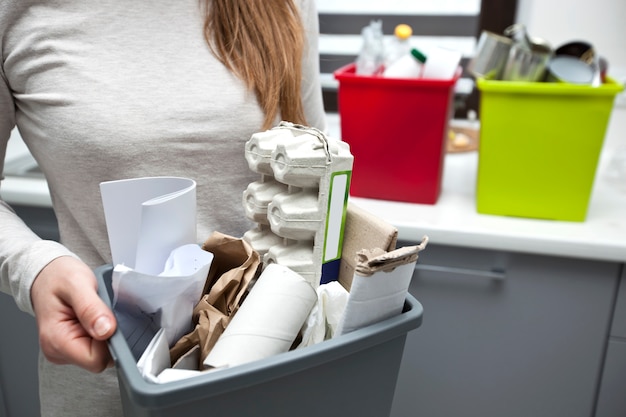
[74,323]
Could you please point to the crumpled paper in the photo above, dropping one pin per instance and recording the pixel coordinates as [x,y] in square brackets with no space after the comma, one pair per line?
[143,303]
[371,261]
[325,316]
[234,267]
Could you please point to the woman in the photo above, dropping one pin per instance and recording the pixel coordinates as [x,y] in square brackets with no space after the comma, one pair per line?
[113,89]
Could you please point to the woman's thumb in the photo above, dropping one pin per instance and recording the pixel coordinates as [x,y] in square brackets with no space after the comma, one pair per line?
[95,316]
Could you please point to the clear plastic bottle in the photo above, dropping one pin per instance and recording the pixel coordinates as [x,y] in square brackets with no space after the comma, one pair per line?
[399,45]
[518,33]
[371,57]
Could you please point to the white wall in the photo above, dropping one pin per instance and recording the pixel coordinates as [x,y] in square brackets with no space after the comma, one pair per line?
[399,6]
[601,22]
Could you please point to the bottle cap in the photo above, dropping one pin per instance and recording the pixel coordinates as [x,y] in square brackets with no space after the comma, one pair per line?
[403,31]
[418,55]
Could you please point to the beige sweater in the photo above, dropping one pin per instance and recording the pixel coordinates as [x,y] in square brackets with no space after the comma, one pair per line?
[120,89]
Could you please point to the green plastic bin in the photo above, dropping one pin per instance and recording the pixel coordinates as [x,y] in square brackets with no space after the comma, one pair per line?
[539,147]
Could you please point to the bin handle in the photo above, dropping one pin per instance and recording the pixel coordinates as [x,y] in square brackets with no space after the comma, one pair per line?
[495,273]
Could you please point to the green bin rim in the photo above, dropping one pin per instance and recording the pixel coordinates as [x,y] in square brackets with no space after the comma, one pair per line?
[609,88]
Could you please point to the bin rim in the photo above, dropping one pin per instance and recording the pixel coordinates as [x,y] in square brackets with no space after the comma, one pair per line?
[610,87]
[347,74]
[151,395]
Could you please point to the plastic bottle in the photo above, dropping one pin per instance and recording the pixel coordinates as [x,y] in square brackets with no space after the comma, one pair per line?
[399,45]
[408,66]
[371,57]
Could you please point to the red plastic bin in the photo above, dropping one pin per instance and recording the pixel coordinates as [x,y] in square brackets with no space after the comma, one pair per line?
[397,130]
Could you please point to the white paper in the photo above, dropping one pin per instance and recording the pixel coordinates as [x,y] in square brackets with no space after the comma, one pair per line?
[147,218]
[375,298]
[155,358]
[154,364]
[145,302]
[268,321]
[171,374]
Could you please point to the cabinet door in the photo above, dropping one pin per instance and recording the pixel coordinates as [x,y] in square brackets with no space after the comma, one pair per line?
[41,220]
[19,350]
[3,410]
[619,317]
[612,397]
[612,393]
[505,334]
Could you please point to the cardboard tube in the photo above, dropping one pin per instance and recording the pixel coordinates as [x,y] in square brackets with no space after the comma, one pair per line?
[268,321]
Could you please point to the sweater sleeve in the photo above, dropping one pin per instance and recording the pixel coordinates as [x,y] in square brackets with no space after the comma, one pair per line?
[311,86]
[22,253]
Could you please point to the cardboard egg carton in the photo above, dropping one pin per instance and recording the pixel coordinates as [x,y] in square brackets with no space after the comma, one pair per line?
[299,202]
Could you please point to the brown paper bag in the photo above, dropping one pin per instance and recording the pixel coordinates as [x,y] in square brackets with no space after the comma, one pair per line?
[235,265]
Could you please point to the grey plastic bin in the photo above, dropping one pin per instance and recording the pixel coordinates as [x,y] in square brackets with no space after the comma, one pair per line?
[351,375]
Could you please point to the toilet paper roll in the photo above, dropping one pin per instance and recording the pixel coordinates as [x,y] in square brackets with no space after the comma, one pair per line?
[268,321]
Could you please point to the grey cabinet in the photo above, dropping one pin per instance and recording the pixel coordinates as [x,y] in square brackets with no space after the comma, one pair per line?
[41,220]
[612,396]
[19,350]
[506,334]
[612,393]
[19,346]
[618,329]
[3,410]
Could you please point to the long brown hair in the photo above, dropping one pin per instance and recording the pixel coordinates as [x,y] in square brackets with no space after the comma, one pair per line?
[262,42]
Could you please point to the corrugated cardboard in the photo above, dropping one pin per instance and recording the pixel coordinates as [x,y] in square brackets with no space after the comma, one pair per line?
[363,230]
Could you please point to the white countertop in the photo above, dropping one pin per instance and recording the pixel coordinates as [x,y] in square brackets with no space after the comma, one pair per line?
[454,220]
